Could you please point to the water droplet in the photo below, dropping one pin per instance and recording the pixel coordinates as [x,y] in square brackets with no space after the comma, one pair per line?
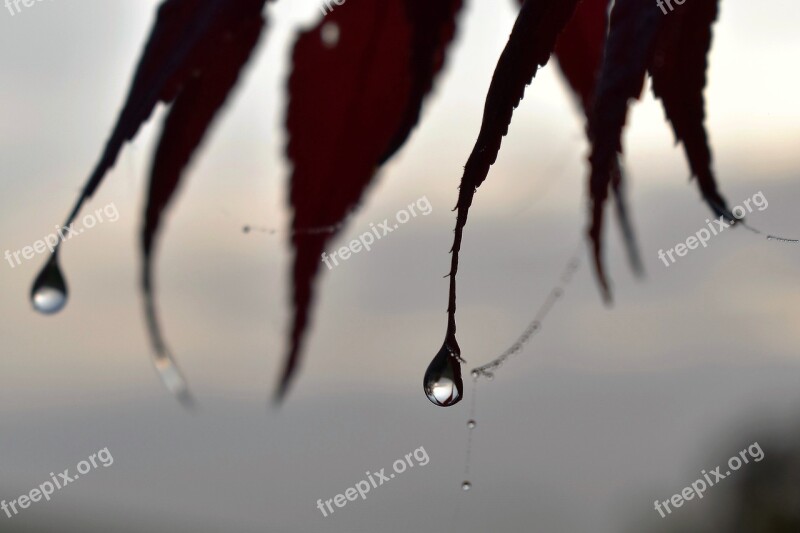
[475,374]
[443,384]
[466,486]
[330,34]
[49,292]
[173,380]
[246,229]
[471,424]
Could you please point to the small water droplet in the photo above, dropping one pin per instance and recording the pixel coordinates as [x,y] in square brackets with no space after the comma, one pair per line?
[170,376]
[49,292]
[330,34]
[443,384]
[173,380]
[471,424]
[466,486]
[475,374]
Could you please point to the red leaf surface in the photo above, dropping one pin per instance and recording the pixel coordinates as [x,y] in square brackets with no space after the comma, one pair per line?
[191,114]
[579,48]
[359,80]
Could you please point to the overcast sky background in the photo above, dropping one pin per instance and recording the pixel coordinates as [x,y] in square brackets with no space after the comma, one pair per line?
[604,412]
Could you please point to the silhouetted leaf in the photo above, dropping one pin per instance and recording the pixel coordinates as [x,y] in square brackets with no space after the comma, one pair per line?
[674,48]
[529,47]
[579,51]
[185,32]
[359,79]
[678,69]
[632,33]
[192,112]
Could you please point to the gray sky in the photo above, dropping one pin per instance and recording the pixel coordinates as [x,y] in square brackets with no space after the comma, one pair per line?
[605,411]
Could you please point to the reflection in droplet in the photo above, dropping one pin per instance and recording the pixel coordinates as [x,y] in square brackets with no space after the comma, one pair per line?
[471,424]
[330,34]
[49,291]
[466,485]
[443,384]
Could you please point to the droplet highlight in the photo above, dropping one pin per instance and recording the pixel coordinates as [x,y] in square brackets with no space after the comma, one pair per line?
[330,34]
[443,384]
[173,379]
[49,292]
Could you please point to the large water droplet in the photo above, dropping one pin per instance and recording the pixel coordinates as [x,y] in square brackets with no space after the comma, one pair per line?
[466,485]
[443,384]
[49,291]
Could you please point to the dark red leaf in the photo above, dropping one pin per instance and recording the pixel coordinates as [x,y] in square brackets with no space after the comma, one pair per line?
[529,47]
[579,51]
[579,48]
[190,116]
[359,79]
[184,34]
[632,34]
[678,69]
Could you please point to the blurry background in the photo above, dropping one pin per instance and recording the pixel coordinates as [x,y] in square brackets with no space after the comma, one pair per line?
[604,412]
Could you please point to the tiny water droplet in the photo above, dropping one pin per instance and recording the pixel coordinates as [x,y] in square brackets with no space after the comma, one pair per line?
[246,229]
[466,486]
[173,380]
[471,424]
[49,291]
[475,374]
[443,384]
